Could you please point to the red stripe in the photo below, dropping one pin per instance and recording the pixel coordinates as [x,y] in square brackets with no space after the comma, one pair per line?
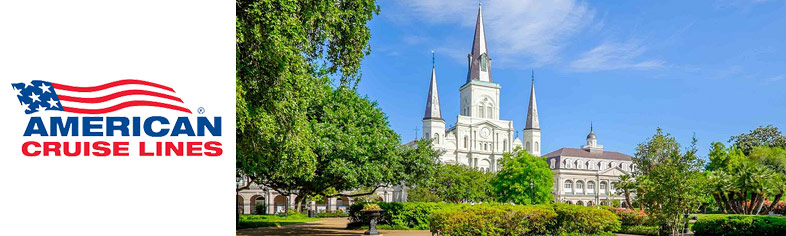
[124,105]
[117,95]
[108,85]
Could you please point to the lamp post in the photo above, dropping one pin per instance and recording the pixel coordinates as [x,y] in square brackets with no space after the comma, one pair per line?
[267,200]
[532,192]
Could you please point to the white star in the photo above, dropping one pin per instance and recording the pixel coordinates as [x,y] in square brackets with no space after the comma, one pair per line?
[27,106]
[29,84]
[40,108]
[52,103]
[34,97]
[44,88]
[17,91]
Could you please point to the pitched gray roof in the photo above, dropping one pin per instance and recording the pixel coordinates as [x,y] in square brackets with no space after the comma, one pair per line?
[575,152]
[478,50]
[532,112]
[433,110]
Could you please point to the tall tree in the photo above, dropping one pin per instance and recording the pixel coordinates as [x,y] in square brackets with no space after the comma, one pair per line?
[512,182]
[672,183]
[768,136]
[626,186]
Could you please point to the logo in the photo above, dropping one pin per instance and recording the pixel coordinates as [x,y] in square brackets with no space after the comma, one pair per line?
[84,107]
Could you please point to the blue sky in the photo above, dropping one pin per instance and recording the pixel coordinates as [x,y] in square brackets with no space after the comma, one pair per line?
[713,68]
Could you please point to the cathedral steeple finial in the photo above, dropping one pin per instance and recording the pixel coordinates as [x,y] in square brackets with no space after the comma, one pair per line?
[533,76]
[433,110]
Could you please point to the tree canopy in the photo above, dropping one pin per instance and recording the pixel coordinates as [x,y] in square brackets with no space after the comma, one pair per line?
[454,183]
[768,136]
[512,182]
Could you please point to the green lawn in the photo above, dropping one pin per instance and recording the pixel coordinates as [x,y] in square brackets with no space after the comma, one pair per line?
[252,221]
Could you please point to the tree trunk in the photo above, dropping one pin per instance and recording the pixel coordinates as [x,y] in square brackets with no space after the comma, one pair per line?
[752,203]
[719,202]
[774,203]
[627,199]
[759,205]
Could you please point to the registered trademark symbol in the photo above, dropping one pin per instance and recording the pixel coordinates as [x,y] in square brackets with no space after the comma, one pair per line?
[201,110]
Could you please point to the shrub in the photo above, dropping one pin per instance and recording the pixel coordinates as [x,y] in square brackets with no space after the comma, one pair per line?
[498,219]
[260,209]
[630,217]
[332,214]
[711,225]
[493,219]
[412,215]
[586,220]
[639,229]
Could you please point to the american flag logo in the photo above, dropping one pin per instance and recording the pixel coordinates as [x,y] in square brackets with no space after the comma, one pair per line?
[39,95]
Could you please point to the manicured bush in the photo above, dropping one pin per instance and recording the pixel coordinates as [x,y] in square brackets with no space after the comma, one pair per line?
[639,229]
[332,214]
[411,215]
[260,209]
[587,220]
[732,225]
[629,217]
[494,219]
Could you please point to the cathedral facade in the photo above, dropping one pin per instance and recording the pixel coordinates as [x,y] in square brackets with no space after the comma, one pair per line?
[585,175]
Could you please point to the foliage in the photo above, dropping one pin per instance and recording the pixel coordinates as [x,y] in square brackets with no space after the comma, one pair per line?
[504,219]
[574,218]
[740,183]
[252,221]
[332,214]
[626,186]
[411,215]
[669,181]
[768,136]
[260,208]
[371,207]
[721,225]
[454,183]
[512,182]
[639,230]
[629,217]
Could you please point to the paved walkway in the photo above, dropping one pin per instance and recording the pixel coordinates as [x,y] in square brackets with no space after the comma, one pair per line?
[327,226]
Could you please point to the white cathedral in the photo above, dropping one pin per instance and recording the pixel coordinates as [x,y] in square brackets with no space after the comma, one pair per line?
[584,175]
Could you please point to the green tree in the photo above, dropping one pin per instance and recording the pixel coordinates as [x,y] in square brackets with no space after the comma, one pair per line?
[626,186]
[768,136]
[672,183]
[512,182]
[454,183]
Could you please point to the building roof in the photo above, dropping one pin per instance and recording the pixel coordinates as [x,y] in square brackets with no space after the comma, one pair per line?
[478,49]
[576,152]
[433,110]
[532,111]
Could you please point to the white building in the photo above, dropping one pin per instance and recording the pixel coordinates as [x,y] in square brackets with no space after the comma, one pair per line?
[585,175]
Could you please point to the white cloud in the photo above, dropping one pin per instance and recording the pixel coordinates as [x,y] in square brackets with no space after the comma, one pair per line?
[518,31]
[613,56]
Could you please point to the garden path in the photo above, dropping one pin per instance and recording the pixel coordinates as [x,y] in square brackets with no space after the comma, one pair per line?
[327,226]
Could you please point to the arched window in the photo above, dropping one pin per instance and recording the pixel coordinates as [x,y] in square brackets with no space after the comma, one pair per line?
[579,187]
[482,112]
[483,62]
[466,141]
[537,146]
[590,187]
[552,163]
[568,187]
[426,136]
[602,188]
[436,138]
[586,165]
[490,113]
[504,145]
[529,146]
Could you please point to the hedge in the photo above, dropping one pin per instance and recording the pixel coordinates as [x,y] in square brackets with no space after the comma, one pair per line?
[497,219]
[711,225]
[408,215]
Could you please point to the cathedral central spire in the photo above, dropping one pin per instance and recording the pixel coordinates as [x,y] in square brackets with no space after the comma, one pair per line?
[478,59]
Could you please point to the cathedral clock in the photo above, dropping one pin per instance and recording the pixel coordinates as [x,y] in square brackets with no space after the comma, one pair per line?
[485,132]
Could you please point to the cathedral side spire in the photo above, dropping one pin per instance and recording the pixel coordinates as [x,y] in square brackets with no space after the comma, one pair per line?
[433,110]
[532,111]
[478,59]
